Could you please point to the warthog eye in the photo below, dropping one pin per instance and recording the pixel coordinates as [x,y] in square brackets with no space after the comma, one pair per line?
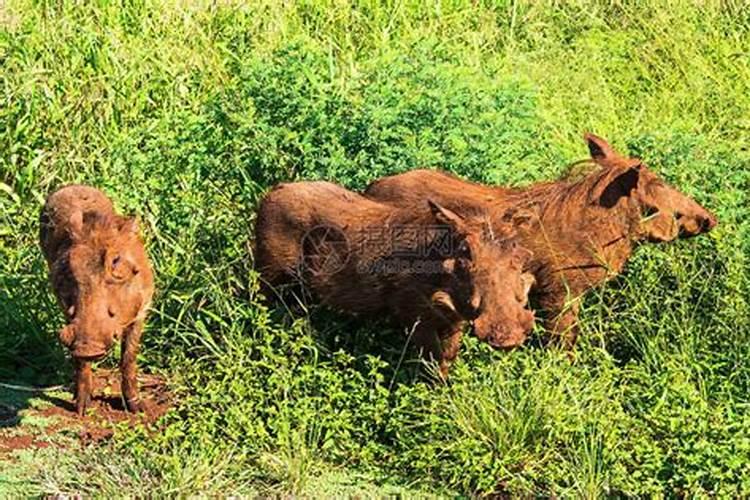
[111,312]
[649,212]
[463,250]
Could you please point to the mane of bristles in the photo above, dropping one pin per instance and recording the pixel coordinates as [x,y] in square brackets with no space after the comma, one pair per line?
[578,169]
[101,230]
[555,194]
[491,231]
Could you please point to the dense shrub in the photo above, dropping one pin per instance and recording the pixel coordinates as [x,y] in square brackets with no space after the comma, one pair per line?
[186,115]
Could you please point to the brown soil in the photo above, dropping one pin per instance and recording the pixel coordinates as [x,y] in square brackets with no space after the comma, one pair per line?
[21,442]
[105,412]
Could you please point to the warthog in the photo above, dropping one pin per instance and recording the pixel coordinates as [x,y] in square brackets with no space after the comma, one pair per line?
[103,281]
[584,230]
[426,267]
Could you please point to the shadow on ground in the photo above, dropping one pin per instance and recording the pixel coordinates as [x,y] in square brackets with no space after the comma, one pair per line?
[34,418]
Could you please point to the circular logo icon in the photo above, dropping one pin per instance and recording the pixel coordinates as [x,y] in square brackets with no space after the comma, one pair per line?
[325,250]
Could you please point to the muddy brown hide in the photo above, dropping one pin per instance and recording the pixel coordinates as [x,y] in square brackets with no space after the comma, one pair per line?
[103,281]
[426,267]
[583,231]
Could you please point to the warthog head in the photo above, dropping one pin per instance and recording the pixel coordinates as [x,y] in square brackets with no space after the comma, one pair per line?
[101,293]
[663,212]
[485,280]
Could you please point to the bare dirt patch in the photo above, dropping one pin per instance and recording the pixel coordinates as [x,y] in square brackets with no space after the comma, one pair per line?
[21,442]
[106,412]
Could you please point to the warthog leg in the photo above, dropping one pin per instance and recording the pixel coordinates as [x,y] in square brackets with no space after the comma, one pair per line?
[83,385]
[439,344]
[131,342]
[450,344]
[562,322]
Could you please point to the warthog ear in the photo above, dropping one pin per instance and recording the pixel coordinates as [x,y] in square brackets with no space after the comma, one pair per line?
[599,148]
[128,225]
[617,184]
[81,224]
[448,217]
[75,225]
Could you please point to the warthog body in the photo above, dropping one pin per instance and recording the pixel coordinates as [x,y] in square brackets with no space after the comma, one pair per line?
[424,266]
[102,279]
[584,231]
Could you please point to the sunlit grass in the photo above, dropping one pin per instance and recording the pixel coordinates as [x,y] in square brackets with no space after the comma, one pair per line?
[186,112]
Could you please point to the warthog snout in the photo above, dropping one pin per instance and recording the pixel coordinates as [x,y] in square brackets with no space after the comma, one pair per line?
[695,225]
[505,335]
[89,350]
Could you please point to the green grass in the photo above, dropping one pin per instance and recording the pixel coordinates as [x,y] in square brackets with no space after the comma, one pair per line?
[186,112]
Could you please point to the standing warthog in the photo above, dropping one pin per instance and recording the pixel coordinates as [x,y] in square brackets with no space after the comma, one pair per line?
[103,281]
[586,230]
[425,265]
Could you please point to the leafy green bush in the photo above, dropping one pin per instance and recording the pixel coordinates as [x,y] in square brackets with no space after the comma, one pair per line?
[186,114]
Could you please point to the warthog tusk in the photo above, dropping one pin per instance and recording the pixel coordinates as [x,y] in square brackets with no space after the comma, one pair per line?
[441,298]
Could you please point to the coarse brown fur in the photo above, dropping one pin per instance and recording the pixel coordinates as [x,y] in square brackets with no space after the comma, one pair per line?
[583,231]
[364,257]
[103,281]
